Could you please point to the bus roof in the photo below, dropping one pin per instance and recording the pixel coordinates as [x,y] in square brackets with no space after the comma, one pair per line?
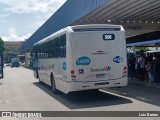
[95,26]
[86,27]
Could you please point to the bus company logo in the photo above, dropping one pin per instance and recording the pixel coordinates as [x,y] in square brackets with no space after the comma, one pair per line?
[107,68]
[83,61]
[117,59]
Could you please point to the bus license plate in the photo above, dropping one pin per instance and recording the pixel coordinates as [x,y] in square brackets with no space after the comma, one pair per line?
[100,75]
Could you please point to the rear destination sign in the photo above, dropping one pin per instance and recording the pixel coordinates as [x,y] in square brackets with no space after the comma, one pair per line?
[108,36]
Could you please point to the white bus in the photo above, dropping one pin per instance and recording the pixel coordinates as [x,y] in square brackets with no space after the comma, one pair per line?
[82,57]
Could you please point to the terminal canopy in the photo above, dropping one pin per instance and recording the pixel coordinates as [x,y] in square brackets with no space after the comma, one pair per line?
[136,16]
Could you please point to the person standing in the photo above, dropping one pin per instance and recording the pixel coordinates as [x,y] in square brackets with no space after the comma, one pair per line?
[141,67]
[156,69]
[132,67]
[149,69]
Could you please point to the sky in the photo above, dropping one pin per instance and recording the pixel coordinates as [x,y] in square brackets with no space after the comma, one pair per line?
[19,19]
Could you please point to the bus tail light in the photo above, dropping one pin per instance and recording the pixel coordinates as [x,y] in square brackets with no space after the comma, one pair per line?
[125,68]
[73,76]
[125,71]
[72,72]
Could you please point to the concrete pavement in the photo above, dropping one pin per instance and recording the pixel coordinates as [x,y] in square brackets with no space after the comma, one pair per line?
[20,91]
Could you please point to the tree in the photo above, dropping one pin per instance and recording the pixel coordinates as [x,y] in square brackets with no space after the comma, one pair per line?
[144,49]
[2,48]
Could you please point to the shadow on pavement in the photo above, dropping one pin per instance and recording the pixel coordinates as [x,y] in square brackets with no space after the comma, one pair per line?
[84,99]
[1,83]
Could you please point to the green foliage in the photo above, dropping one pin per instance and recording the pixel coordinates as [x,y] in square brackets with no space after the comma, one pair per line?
[144,49]
[2,48]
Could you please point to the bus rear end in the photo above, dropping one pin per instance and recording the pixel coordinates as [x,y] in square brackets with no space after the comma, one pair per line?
[98,57]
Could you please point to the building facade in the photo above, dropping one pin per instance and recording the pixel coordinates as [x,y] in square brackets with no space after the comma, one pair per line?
[12,49]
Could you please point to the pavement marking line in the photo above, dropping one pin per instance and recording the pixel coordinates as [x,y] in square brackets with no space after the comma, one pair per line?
[129,95]
[114,93]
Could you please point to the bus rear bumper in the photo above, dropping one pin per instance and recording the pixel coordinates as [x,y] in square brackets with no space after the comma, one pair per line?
[81,85]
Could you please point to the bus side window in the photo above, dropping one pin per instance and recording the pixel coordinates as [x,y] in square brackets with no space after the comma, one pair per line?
[63,46]
[55,46]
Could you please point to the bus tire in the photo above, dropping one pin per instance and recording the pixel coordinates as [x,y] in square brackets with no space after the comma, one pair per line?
[53,85]
[40,80]
[37,75]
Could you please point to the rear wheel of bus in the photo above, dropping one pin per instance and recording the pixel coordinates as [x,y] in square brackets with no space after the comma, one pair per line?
[53,85]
